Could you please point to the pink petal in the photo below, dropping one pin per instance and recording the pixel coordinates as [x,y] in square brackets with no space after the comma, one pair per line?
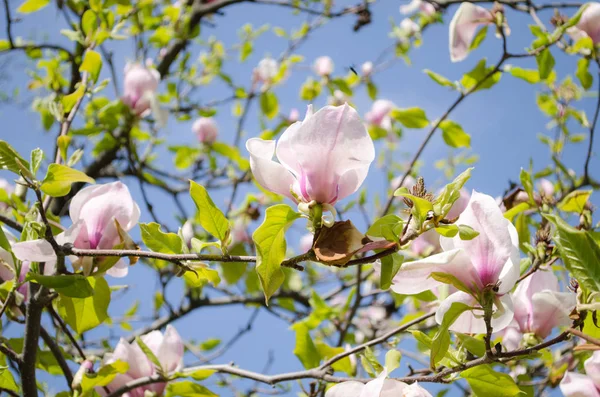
[464,23]
[34,251]
[471,322]
[7,266]
[592,368]
[590,22]
[268,173]
[170,352]
[512,337]
[523,296]
[551,309]
[414,277]
[119,270]
[345,389]
[323,148]
[578,385]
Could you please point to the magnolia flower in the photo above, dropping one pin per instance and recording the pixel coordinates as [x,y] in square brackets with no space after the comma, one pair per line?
[589,23]
[337,99]
[378,387]
[367,68]
[206,129]
[325,157]
[323,66]
[418,5]
[539,307]
[545,187]
[579,385]
[140,84]
[97,213]
[266,70]
[487,264]
[464,23]
[8,271]
[379,115]
[294,115]
[409,27]
[187,231]
[167,348]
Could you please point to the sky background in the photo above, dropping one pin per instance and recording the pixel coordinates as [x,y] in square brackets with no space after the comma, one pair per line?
[503,123]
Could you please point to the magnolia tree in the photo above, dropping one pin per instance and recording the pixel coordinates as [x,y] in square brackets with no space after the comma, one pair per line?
[405,290]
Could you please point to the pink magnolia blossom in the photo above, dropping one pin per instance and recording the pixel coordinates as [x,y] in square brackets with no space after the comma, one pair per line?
[489,263]
[463,26]
[95,212]
[337,99]
[589,24]
[409,27]
[379,115]
[323,66]
[294,115]
[266,70]
[325,157]
[206,129]
[545,187]
[418,5]
[167,348]
[367,68]
[140,84]
[8,271]
[579,385]
[539,307]
[378,387]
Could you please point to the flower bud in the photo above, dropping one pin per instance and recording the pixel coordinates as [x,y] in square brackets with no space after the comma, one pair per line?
[266,70]
[86,367]
[206,130]
[367,68]
[323,66]
[140,85]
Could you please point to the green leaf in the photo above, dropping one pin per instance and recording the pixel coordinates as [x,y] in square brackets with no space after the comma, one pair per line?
[37,155]
[202,275]
[478,39]
[477,76]
[269,239]
[11,160]
[89,23]
[579,252]
[575,201]
[545,62]
[7,380]
[450,279]
[388,227]
[92,63]
[327,352]
[447,230]
[527,183]
[245,50]
[441,341]
[517,209]
[529,75]
[59,178]
[87,313]
[201,374]
[30,6]
[102,377]
[231,153]
[188,389]
[473,345]
[484,381]
[71,285]
[370,360]
[372,90]
[305,349]
[583,74]
[269,104]
[149,354]
[450,193]
[466,232]
[389,268]
[392,360]
[211,217]
[69,101]
[421,207]
[158,241]
[411,117]
[454,135]
[438,78]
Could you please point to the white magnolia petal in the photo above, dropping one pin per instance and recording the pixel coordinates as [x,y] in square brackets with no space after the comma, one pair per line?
[512,338]
[414,277]
[464,23]
[589,22]
[471,322]
[268,173]
[551,309]
[119,270]
[373,388]
[578,385]
[34,251]
[592,368]
[345,389]
[170,352]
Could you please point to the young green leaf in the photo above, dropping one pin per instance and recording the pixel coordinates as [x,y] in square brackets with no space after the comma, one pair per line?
[454,135]
[159,241]
[211,217]
[84,314]
[59,178]
[484,381]
[411,117]
[305,349]
[269,239]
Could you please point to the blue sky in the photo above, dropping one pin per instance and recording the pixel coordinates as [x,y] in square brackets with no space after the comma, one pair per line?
[503,123]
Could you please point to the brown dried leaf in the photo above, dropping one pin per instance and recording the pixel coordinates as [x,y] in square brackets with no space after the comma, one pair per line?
[337,244]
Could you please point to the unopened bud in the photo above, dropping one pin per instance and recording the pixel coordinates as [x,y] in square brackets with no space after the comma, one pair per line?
[86,367]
